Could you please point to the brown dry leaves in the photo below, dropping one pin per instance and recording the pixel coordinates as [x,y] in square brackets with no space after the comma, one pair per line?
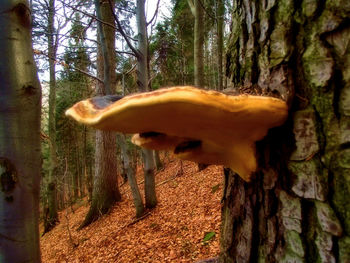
[172,232]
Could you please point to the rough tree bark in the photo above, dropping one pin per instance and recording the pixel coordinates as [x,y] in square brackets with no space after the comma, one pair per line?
[142,81]
[105,184]
[297,209]
[20,151]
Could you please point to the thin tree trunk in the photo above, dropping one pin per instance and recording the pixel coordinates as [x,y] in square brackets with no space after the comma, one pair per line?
[20,151]
[150,185]
[76,166]
[297,208]
[142,71]
[220,40]
[85,165]
[157,160]
[52,216]
[131,176]
[142,81]
[198,13]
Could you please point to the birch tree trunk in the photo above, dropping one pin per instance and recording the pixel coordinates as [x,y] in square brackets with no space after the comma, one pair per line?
[297,209]
[105,184]
[142,81]
[20,151]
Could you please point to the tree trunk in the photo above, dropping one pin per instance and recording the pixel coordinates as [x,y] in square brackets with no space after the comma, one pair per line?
[84,162]
[142,71]
[20,150]
[150,185]
[198,13]
[157,160]
[51,218]
[142,81]
[131,176]
[220,11]
[105,185]
[297,208]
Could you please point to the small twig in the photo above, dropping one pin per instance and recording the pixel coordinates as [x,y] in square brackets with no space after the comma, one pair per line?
[91,16]
[125,52]
[65,65]
[302,98]
[74,245]
[130,70]
[167,180]
[135,221]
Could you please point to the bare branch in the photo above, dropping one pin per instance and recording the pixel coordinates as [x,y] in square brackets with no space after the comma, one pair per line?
[191,4]
[92,16]
[155,14]
[121,31]
[206,11]
[130,70]
[65,65]
[125,52]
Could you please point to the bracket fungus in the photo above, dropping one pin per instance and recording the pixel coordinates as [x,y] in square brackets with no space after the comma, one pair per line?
[198,125]
[157,141]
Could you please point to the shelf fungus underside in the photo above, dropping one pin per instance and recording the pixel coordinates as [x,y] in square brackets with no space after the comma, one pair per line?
[204,126]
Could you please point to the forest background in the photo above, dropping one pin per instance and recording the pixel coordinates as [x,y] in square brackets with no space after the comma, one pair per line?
[69,69]
[297,206]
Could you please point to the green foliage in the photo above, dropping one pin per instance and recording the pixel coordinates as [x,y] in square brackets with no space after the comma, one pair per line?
[208,236]
[172,44]
[171,48]
[124,66]
[215,188]
[75,142]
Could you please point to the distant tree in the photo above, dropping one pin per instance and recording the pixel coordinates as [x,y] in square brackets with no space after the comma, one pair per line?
[141,54]
[75,146]
[143,80]
[165,56]
[51,215]
[20,152]
[46,33]
[220,12]
[184,28]
[105,185]
[126,152]
[197,10]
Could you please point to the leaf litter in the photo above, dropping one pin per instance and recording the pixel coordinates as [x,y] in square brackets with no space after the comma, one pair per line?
[187,210]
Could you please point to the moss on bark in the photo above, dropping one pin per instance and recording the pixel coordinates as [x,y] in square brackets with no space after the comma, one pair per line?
[301,201]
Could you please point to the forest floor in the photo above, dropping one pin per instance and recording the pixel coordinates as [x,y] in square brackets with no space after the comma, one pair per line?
[188,209]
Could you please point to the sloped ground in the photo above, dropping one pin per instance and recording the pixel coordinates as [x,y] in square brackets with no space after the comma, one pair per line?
[188,207]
